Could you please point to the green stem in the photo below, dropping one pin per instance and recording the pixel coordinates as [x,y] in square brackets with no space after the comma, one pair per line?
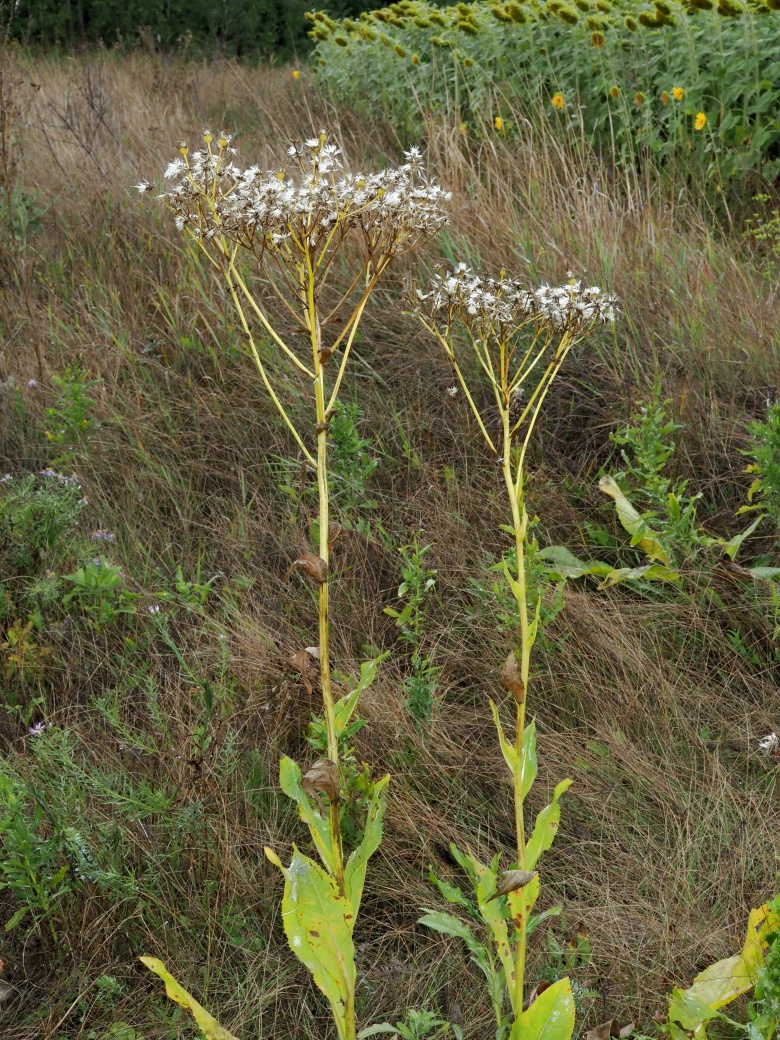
[324,516]
[520,524]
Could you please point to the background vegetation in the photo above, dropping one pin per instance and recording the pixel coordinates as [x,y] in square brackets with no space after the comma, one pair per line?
[148,626]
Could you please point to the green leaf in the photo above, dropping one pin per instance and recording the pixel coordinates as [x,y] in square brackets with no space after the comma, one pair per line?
[732,547]
[511,756]
[290,783]
[450,892]
[16,918]
[449,924]
[764,573]
[355,870]
[318,923]
[550,1017]
[536,919]
[648,572]
[493,916]
[528,765]
[545,827]
[559,563]
[382,1027]
[633,522]
[207,1024]
[344,707]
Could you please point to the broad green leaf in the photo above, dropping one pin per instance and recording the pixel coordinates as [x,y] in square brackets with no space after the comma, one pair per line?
[290,783]
[465,862]
[724,981]
[344,707]
[355,870]
[545,827]
[732,547]
[207,1024]
[511,756]
[318,924]
[633,522]
[449,924]
[561,563]
[382,1027]
[492,915]
[550,1017]
[648,572]
[764,573]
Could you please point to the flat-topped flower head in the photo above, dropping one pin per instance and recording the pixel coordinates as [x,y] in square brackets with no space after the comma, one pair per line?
[311,205]
[484,302]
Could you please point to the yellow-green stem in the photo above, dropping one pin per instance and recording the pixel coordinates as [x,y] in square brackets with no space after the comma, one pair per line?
[519,523]
[324,516]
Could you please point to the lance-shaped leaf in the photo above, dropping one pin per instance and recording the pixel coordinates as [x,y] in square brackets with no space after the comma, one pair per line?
[725,980]
[451,893]
[733,545]
[207,1024]
[633,522]
[355,871]
[528,763]
[318,923]
[291,782]
[344,707]
[545,827]
[511,756]
[560,562]
[647,572]
[550,1017]
[492,915]
[448,924]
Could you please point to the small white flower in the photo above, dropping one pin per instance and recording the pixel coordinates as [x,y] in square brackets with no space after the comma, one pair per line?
[452,390]
[143,186]
[770,745]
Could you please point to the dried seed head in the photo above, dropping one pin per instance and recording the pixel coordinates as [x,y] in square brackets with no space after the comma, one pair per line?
[770,745]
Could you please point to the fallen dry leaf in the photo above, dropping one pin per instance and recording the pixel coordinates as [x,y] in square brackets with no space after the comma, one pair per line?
[608,1029]
[303,662]
[510,674]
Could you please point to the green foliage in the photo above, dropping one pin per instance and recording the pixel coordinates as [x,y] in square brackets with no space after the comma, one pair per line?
[764,451]
[267,26]
[97,594]
[417,1026]
[764,1009]
[503,906]
[32,867]
[71,424]
[419,582]
[631,82]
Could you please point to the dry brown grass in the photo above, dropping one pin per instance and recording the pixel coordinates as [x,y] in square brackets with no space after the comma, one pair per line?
[672,830]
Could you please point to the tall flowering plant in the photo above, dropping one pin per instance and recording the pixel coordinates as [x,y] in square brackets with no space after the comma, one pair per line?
[519,340]
[283,229]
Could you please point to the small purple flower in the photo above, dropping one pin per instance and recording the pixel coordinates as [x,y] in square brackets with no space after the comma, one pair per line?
[37,729]
[102,536]
[32,384]
[153,608]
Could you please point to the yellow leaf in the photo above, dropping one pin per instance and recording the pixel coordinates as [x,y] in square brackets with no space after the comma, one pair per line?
[207,1024]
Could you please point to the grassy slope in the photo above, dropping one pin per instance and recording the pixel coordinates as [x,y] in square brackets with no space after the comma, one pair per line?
[666,839]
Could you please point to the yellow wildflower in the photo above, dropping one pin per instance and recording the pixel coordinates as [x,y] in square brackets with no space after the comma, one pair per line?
[296,73]
[678,93]
[614,93]
[700,121]
[639,98]
[464,129]
[557,101]
[664,97]
[498,123]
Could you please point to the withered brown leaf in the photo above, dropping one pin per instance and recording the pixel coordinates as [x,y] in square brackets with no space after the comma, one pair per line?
[313,566]
[304,662]
[511,880]
[608,1029]
[512,679]
[323,776]
[538,989]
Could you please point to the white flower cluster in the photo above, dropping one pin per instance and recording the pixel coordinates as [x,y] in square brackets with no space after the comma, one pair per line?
[394,210]
[486,301]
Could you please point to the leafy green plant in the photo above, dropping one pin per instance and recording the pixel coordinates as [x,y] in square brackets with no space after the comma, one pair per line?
[764,1009]
[685,81]
[32,867]
[97,594]
[71,424]
[764,451]
[290,227]
[418,584]
[520,339]
[417,1026]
